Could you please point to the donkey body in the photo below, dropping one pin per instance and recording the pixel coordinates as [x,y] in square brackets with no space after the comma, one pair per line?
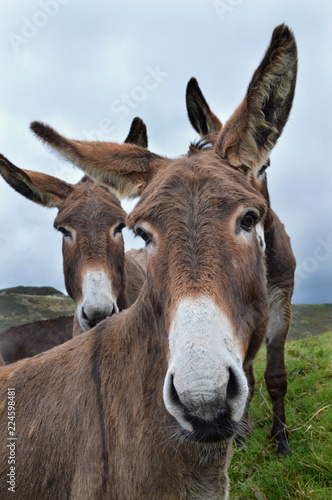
[146,404]
[98,276]
[23,341]
[280,265]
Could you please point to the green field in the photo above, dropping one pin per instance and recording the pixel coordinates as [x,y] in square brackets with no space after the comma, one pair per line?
[256,472]
[27,304]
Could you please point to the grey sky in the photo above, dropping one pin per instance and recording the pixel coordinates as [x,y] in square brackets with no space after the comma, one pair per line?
[88,68]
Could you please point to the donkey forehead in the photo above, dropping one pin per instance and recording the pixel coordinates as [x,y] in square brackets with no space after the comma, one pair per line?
[90,202]
[205,183]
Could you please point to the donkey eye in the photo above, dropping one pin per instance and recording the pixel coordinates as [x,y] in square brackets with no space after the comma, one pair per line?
[65,232]
[145,236]
[262,170]
[118,229]
[264,167]
[248,221]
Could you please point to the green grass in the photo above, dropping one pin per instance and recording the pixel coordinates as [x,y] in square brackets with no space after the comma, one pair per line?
[256,472]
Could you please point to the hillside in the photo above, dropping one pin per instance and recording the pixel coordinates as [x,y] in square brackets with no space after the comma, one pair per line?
[32,290]
[309,320]
[21,305]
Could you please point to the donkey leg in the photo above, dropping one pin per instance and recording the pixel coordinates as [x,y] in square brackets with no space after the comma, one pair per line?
[275,374]
[249,371]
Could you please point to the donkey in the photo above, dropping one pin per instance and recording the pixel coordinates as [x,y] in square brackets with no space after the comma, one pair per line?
[98,276]
[280,264]
[23,341]
[146,404]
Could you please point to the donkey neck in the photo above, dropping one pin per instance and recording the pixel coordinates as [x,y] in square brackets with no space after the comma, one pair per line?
[149,438]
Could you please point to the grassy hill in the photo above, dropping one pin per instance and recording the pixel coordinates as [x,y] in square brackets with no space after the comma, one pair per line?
[32,290]
[309,320]
[21,305]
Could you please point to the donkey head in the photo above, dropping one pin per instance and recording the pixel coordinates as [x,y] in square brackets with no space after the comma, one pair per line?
[91,220]
[208,126]
[206,277]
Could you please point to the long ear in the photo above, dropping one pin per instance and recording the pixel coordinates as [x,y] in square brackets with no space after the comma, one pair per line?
[40,188]
[126,168]
[249,135]
[137,133]
[200,115]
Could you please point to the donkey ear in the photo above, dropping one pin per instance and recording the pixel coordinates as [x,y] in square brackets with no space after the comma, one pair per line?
[40,188]
[137,133]
[200,115]
[250,134]
[125,168]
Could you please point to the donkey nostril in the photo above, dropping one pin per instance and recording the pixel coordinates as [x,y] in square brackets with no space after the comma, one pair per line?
[92,318]
[173,393]
[84,316]
[232,386]
[113,311]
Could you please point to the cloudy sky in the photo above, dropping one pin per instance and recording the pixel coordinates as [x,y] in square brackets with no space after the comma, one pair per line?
[83,68]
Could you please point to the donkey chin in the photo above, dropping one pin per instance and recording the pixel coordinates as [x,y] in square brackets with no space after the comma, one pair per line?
[98,301]
[205,388]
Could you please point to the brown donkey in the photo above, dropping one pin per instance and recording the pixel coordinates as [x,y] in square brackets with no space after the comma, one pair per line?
[146,404]
[98,275]
[23,341]
[280,264]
